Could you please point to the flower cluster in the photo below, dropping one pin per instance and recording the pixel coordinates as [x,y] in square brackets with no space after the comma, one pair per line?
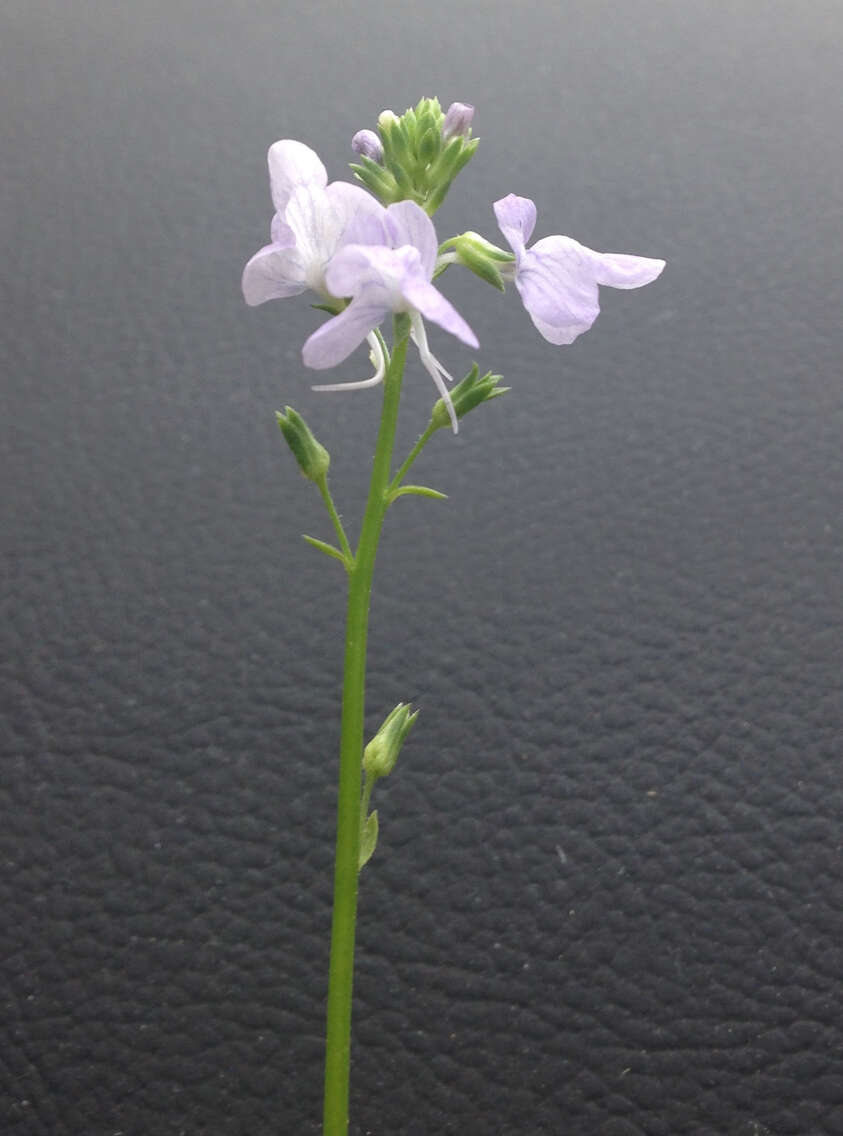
[368,252]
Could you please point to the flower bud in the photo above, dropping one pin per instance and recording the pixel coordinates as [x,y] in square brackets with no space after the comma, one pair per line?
[367,143]
[466,395]
[458,119]
[313,458]
[417,155]
[482,257]
[387,119]
[381,754]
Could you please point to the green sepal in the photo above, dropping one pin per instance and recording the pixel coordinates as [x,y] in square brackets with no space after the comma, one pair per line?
[501,256]
[480,265]
[369,171]
[368,839]
[455,157]
[446,164]
[466,395]
[396,145]
[402,178]
[377,180]
[430,144]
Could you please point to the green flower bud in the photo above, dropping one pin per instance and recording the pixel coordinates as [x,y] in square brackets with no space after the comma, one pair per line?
[481,257]
[420,156]
[466,395]
[381,754]
[313,458]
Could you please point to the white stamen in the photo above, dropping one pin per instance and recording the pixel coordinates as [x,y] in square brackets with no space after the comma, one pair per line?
[378,360]
[432,365]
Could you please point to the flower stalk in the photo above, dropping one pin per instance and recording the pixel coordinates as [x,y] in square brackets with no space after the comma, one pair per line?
[346,867]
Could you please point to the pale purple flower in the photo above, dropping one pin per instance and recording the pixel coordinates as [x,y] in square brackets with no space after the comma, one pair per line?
[367,143]
[458,119]
[312,220]
[558,277]
[392,276]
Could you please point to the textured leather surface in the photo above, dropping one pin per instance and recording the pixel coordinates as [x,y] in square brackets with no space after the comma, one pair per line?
[607,899]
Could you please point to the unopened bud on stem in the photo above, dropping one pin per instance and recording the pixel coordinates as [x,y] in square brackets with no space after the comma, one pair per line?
[466,395]
[312,457]
[458,118]
[367,144]
[381,754]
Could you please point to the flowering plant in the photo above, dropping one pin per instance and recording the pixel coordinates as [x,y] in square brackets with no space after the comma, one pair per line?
[367,253]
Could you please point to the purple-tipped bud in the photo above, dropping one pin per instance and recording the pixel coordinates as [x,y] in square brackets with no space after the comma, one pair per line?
[457,120]
[367,143]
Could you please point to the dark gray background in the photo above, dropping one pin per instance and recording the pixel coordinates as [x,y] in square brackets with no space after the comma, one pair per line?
[623,628]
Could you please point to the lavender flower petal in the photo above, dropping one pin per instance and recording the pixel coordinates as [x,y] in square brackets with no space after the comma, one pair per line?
[620,270]
[360,216]
[292,164]
[428,300]
[516,217]
[374,268]
[336,339]
[273,273]
[408,224]
[281,233]
[556,282]
[316,227]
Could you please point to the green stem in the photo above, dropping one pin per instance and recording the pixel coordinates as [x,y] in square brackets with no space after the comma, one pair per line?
[322,482]
[430,430]
[338,1045]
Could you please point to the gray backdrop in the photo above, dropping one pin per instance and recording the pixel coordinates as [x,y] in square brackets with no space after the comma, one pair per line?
[607,897]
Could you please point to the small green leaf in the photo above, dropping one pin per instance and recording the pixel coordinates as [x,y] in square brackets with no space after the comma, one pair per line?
[368,839]
[328,549]
[418,491]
